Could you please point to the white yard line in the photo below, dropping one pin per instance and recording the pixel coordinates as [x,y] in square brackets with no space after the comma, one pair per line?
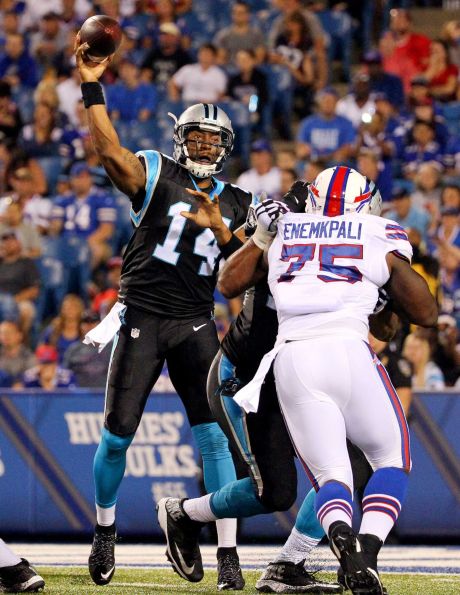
[418,559]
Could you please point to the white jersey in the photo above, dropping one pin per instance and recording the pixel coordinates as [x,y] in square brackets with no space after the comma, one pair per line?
[325,272]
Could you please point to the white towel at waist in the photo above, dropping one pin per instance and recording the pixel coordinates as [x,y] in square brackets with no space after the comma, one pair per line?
[105,331]
[248,397]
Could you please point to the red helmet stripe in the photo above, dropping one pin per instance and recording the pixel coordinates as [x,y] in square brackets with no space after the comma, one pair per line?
[335,196]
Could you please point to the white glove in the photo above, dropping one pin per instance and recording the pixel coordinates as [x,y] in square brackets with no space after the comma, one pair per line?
[268,213]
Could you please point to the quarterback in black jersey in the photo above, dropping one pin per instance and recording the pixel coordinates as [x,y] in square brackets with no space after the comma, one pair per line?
[166,301]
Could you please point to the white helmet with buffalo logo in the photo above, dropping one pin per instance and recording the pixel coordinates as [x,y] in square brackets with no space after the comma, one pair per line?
[339,190]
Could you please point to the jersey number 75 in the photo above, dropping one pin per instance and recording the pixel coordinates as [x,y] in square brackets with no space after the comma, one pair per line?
[298,254]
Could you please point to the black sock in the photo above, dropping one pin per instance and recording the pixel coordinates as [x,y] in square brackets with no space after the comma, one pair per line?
[223,551]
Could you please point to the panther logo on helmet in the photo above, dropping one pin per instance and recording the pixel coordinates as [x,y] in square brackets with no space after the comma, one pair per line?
[204,117]
[339,190]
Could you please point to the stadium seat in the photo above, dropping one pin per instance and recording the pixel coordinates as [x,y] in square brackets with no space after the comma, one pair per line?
[143,134]
[239,115]
[51,269]
[280,92]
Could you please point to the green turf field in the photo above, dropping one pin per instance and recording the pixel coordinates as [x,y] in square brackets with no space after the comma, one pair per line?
[75,581]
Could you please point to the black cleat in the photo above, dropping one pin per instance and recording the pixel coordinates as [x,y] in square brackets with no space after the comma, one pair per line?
[371,546]
[20,578]
[101,562]
[287,577]
[341,581]
[183,550]
[229,576]
[358,575]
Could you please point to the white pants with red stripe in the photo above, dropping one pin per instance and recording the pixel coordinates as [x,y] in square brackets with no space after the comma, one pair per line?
[331,388]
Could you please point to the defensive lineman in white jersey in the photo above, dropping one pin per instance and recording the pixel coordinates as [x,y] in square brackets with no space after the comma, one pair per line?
[325,269]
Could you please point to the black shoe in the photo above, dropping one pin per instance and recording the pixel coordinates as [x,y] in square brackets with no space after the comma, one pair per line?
[287,577]
[358,576]
[341,581]
[20,578]
[101,562]
[371,546]
[229,576]
[183,550]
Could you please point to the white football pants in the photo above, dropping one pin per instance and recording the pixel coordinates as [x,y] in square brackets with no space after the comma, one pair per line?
[333,388]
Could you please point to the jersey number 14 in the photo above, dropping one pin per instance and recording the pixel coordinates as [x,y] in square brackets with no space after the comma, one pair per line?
[205,243]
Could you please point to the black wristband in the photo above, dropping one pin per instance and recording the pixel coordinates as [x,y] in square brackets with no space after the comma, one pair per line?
[92,94]
[231,246]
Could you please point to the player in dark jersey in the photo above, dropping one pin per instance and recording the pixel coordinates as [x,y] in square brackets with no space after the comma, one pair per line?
[166,301]
[261,440]
[265,446]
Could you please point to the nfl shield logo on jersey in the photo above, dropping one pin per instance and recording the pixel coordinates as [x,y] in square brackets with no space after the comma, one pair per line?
[135,333]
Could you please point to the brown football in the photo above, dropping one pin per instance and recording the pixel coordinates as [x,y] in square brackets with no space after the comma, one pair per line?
[102,34]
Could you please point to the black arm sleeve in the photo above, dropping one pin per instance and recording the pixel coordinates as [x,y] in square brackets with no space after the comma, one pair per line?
[231,246]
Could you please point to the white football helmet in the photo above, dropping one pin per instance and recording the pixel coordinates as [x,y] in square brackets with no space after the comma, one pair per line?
[206,117]
[339,190]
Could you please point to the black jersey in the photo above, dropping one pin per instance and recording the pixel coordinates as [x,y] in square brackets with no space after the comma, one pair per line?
[170,263]
[254,331]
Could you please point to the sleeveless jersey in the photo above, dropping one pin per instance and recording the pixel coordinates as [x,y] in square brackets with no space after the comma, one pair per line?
[254,331]
[170,263]
[325,272]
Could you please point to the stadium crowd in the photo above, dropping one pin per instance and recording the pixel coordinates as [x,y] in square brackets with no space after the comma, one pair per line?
[324,81]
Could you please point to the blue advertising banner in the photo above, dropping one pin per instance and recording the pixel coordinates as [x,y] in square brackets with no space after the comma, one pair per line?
[48,441]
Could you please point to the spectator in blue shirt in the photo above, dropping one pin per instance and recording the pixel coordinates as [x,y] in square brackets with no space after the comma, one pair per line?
[381,81]
[85,218]
[446,233]
[426,110]
[64,329]
[423,149]
[325,135]
[47,374]
[450,283]
[131,99]
[370,165]
[17,66]
[44,138]
[408,215]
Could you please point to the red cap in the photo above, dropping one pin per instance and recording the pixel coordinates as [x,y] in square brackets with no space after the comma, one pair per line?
[46,354]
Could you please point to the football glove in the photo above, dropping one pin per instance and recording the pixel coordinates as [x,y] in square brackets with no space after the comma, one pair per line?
[268,213]
[296,197]
[251,220]
[382,301]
